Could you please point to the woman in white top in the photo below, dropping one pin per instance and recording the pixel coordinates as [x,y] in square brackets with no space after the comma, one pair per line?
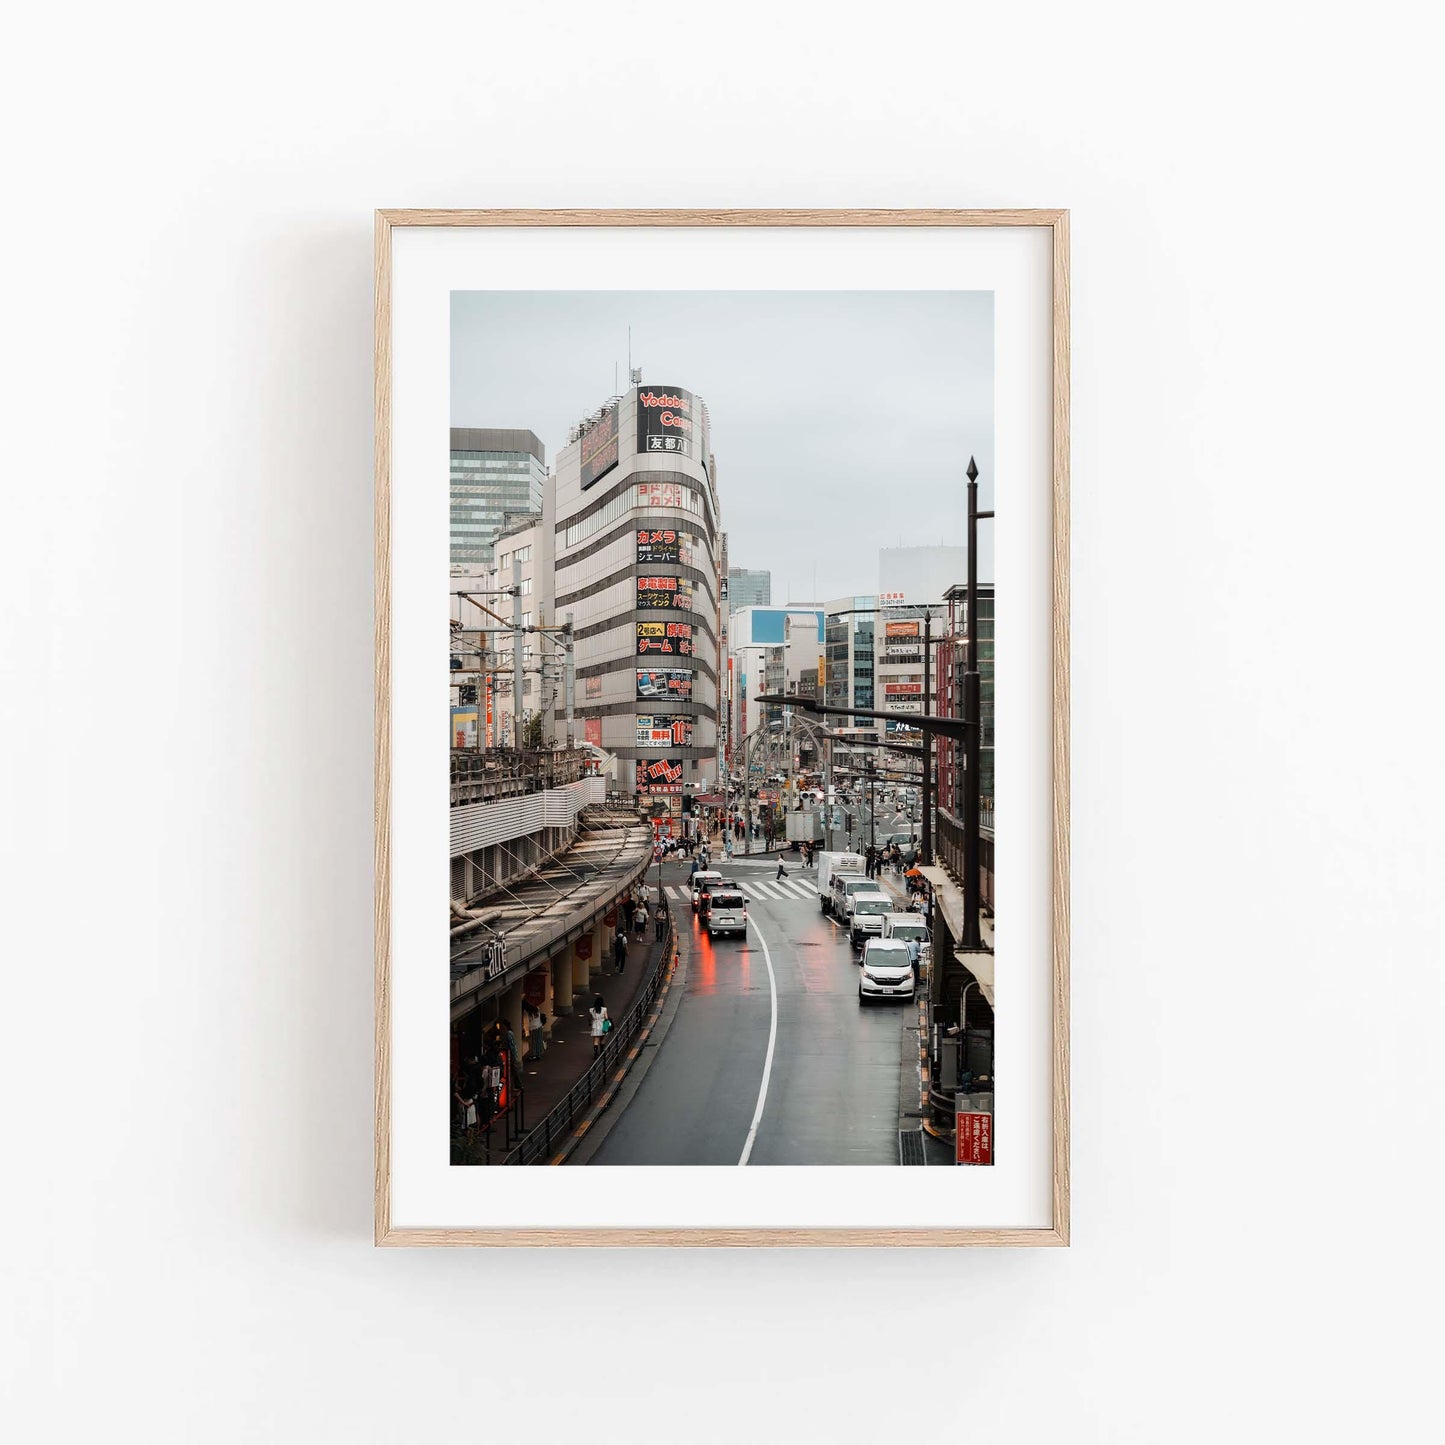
[598,1014]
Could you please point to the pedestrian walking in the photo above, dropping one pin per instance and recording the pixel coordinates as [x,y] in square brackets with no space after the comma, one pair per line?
[782,872]
[641,920]
[629,908]
[619,951]
[601,1024]
[660,920]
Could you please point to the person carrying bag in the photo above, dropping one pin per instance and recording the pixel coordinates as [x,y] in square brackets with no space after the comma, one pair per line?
[601,1024]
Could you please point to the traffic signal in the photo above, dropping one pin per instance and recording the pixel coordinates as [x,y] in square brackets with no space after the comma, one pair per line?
[848,820]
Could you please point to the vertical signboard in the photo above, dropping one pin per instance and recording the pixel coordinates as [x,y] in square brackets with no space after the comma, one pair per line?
[664,421]
[599,448]
[973,1129]
[464,726]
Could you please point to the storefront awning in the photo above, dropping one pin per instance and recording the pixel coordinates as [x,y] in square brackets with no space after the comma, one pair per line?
[949,896]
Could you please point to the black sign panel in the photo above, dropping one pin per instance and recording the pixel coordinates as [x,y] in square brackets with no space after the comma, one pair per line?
[660,544]
[664,639]
[664,421]
[599,448]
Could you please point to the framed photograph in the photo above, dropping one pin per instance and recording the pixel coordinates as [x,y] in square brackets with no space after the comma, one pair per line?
[746,845]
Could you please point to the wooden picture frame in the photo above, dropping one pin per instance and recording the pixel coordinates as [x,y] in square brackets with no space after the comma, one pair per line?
[389,1234]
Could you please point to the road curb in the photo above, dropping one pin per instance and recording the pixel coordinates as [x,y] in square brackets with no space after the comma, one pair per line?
[592,1132]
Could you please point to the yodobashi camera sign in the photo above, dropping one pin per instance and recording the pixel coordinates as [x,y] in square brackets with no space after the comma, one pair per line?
[599,447]
[664,421]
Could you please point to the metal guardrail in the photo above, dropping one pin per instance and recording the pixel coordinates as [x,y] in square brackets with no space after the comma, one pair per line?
[551,1131]
[486,776]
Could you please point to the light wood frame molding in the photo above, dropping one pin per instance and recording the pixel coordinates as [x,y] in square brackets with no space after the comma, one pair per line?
[388,1234]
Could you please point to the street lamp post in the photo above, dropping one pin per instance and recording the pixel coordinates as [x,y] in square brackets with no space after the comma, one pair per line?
[926,849]
[972,732]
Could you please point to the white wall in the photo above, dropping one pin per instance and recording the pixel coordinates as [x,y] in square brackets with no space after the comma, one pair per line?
[1259,956]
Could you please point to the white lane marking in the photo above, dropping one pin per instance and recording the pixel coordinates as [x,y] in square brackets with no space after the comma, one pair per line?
[772,1044]
[761,889]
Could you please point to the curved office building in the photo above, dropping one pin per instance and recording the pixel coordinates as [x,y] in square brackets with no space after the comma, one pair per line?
[636,564]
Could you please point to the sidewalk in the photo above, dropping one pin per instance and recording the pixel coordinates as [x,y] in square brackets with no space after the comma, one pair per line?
[569,1051]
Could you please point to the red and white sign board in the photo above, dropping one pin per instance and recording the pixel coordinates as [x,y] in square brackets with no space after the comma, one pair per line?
[974,1139]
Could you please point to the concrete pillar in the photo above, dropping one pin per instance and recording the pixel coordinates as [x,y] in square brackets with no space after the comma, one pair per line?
[510,1007]
[601,949]
[561,985]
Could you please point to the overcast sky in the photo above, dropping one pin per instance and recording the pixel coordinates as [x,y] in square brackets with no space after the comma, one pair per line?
[842,421]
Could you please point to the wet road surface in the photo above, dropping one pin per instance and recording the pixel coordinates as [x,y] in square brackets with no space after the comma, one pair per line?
[832,1088]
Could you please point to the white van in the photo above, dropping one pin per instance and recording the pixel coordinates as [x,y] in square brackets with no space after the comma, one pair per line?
[727,912]
[866,912]
[702,880]
[886,972]
[843,887]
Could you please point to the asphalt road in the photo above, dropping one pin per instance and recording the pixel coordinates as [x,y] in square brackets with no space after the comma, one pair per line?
[832,1085]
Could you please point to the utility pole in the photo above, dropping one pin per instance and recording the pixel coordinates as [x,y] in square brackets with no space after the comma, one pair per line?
[517,651]
[828,803]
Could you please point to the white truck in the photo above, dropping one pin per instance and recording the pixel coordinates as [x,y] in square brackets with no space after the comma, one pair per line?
[804,827]
[831,863]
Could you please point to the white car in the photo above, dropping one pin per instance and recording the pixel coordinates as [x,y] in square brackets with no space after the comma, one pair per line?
[727,912]
[887,970]
[866,912]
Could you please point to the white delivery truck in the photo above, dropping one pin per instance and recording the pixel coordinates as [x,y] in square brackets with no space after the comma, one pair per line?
[831,863]
[804,827]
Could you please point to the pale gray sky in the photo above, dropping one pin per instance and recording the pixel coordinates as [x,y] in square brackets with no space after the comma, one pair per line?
[842,421]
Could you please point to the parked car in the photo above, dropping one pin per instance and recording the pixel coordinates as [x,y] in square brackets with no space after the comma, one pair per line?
[842,887]
[910,929]
[887,970]
[727,912]
[866,914]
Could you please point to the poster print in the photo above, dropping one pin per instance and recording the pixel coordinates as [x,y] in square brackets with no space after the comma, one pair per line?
[666,470]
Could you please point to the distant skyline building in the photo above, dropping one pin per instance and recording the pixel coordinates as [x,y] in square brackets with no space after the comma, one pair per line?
[494,470]
[748,588]
[849,657]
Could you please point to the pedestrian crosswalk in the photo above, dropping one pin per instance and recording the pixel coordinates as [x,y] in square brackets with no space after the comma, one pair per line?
[775,889]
